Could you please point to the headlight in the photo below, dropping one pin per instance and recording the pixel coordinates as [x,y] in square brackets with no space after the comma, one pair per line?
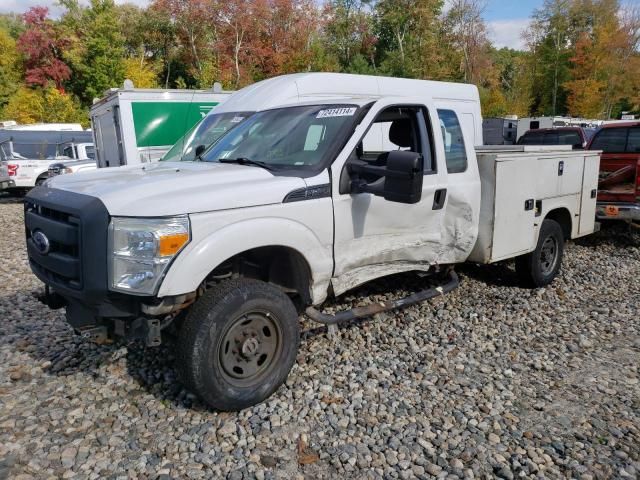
[142,249]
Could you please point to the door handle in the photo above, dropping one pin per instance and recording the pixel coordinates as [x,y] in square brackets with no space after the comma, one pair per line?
[439,198]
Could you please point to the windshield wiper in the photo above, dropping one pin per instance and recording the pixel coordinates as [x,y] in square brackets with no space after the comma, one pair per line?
[246,161]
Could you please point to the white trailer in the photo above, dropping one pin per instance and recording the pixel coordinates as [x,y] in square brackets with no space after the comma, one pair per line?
[138,125]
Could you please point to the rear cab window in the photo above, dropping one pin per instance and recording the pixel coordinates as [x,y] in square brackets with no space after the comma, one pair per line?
[611,140]
[454,148]
[531,138]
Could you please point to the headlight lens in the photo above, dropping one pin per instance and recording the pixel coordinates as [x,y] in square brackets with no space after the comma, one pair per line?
[142,249]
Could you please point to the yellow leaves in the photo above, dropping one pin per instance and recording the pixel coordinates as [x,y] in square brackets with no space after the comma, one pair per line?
[585,98]
[141,73]
[48,105]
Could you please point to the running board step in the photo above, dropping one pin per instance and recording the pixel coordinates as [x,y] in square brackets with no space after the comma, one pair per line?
[362,312]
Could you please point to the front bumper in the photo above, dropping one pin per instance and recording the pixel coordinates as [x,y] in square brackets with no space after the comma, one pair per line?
[4,184]
[72,263]
[618,211]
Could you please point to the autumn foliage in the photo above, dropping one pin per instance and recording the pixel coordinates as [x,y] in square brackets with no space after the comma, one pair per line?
[581,56]
[42,45]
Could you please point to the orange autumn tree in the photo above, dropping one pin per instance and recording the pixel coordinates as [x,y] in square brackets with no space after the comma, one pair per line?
[605,67]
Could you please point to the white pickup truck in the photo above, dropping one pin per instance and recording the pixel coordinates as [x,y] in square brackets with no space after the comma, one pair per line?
[339,180]
[29,153]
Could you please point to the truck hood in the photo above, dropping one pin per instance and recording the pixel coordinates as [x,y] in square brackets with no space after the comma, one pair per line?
[175,188]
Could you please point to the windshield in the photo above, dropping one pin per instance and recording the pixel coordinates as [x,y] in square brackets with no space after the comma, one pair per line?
[292,137]
[204,133]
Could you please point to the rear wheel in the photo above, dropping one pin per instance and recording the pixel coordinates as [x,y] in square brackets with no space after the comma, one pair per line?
[540,267]
[238,343]
[41,179]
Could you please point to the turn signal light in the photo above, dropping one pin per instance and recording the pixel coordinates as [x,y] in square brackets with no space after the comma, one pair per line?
[169,245]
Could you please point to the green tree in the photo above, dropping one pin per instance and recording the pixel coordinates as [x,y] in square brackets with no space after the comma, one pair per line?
[10,68]
[97,57]
[407,36]
[549,38]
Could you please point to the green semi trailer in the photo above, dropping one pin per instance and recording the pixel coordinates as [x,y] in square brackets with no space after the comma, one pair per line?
[138,125]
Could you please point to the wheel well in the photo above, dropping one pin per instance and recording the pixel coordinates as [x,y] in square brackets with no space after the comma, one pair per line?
[281,266]
[563,218]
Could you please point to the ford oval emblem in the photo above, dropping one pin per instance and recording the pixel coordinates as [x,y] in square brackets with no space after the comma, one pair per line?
[41,242]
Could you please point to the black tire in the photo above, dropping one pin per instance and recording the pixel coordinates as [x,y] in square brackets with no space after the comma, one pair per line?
[41,179]
[226,374]
[537,269]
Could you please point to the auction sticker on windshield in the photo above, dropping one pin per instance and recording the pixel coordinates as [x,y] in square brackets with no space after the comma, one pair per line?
[337,112]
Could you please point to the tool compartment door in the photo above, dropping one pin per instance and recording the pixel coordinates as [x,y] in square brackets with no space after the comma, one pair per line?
[588,200]
[558,176]
[514,231]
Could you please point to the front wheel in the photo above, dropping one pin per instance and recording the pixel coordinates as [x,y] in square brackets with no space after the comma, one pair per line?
[540,267]
[238,343]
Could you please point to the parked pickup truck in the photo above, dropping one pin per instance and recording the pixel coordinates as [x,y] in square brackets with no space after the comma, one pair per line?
[5,180]
[342,180]
[577,137]
[29,153]
[63,168]
[619,187]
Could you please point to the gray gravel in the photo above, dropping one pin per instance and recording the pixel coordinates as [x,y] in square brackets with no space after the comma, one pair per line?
[491,381]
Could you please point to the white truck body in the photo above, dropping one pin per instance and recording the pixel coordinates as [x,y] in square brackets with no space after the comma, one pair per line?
[334,180]
[29,154]
[137,125]
[549,178]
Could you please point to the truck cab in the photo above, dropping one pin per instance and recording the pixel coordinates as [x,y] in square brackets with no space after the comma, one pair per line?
[332,182]
[619,186]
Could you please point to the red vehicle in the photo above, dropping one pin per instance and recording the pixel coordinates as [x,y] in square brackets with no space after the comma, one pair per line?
[619,185]
[577,137]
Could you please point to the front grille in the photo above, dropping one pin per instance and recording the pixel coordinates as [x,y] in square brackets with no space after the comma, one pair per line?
[59,264]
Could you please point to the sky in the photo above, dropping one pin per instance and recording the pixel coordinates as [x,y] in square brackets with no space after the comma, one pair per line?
[506,19]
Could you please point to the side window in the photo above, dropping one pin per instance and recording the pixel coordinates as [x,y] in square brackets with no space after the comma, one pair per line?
[67,152]
[397,128]
[90,153]
[531,138]
[633,142]
[570,138]
[534,125]
[550,138]
[454,148]
[610,140]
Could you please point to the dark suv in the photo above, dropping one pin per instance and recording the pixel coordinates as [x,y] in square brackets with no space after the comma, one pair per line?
[578,137]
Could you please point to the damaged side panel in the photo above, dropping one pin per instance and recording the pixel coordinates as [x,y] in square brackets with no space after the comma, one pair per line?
[376,237]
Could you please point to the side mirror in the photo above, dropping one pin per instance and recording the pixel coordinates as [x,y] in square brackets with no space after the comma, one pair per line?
[399,181]
[200,150]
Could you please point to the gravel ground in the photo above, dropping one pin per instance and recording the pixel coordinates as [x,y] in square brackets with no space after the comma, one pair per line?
[489,381]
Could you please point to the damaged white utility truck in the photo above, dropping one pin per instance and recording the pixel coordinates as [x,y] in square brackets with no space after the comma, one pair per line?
[318,184]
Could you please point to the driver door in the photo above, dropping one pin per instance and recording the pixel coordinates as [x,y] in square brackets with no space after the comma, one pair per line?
[376,237]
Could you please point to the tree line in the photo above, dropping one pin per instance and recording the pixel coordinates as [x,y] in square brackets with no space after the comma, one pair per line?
[581,58]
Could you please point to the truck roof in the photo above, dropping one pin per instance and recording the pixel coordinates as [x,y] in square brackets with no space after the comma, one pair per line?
[297,87]
[39,136]
[630,123]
